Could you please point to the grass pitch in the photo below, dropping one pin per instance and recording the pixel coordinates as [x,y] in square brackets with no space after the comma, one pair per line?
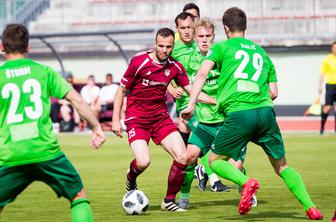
[103,173]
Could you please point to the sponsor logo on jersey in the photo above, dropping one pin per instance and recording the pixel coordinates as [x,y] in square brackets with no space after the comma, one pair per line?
[146,82]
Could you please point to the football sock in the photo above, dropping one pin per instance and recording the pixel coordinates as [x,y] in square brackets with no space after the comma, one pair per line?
[134,172]
[205,162]
[175,180]
[185,137]
[188,179]
[324,117]
[81,211]
[295,184]
[228,171]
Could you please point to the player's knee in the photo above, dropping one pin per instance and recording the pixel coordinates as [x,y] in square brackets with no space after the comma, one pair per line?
[182,158]
[192,158]
[143,164]
[326,109]
[80,195]
[238,164]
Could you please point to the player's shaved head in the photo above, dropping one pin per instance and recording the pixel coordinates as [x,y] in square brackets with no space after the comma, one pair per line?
[15,39]
[234,19]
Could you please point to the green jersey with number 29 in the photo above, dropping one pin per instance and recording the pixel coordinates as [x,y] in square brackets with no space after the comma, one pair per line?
[26,134]
[246,71]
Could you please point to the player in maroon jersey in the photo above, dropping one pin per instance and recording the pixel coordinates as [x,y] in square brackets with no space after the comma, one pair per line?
[146,80]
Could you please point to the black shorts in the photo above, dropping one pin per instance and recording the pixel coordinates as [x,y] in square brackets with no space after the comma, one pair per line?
[330,96]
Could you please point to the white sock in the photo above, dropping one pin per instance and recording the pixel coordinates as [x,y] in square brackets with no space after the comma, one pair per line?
[213,178]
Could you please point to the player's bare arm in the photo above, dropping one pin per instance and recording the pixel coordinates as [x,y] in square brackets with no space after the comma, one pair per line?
[117,106]
[273,90]
[98,136]
[202,98]
[200,79]
[176,92]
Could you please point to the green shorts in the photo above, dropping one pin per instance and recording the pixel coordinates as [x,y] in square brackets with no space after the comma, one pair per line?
[58,173]
[257,125]
[204,135]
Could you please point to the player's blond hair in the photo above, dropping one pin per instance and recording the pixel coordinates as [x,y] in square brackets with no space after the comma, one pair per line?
[203,22]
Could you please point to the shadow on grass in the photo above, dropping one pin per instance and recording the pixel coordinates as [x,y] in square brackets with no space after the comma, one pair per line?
[202,204]
[265,216]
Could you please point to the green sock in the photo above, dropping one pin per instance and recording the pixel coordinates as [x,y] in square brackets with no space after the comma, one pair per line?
[228,171]
[188,179]
[295,184]
[80,211]
[205,162]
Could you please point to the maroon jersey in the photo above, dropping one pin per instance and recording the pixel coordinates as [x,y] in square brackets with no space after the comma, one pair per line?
[147,83]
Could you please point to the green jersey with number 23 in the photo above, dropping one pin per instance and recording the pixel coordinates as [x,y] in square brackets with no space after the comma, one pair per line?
[26,134]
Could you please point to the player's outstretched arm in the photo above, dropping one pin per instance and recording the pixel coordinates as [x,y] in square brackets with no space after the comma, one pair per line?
[201,76]
[273,90]
[83,109]
[117,106]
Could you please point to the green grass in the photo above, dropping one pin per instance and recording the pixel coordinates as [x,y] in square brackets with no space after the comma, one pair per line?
[103,173]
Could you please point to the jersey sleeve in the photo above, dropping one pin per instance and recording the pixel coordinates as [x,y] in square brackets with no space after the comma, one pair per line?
[57,86]
[272,77]
[129,77]
[181,78]
[215,55]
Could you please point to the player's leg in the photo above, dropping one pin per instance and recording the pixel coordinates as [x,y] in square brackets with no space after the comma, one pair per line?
[295,184]
[139,164]
[327,107]
[80,208]
[334,217]
[193,154]
[63,178]
[271,141]
[13,181]
[174,145]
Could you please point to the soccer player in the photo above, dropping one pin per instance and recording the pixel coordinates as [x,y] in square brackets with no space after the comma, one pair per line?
[146,80]
[208,118]
[183,47]
[29,150]
[246,87]
[328,70]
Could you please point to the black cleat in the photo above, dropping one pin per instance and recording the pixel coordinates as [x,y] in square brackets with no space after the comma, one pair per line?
[219,187]
[202,178]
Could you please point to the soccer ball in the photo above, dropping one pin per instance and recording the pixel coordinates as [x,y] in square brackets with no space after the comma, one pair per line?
[135,202]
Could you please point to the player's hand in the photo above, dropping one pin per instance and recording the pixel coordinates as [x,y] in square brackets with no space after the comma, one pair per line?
[116,128]
[176,92]
[187,113]
[98,138]
[320,90]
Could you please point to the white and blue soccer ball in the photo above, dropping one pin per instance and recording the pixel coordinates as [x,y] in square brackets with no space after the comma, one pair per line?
[135,202]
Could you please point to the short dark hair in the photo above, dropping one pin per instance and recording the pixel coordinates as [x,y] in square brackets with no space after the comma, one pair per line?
[15,38]
[333,43]
[191,6]
[183,16]
[165,32]
[235,19]
[109,74]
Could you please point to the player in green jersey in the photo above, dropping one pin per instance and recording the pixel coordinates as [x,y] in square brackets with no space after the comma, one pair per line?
[246,87]
[183,48]
[29,150]
[208,118]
